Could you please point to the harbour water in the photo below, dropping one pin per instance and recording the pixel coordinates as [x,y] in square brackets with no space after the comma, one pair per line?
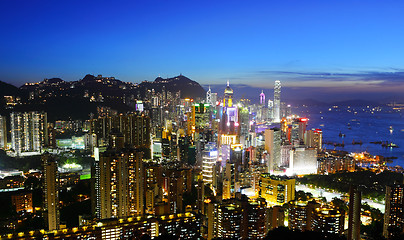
[360,124]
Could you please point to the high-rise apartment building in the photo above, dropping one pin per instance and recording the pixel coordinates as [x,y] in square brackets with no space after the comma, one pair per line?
[394,210]
[154,187]
[354,214]
[301,214]
[135,129]
[29,131]
[237,218]
[3,132]
[254,223]
[120,183]
[328,220]
[22,201]
[277,101]
[276,216]
[51,191]
[229,221]
[314,139]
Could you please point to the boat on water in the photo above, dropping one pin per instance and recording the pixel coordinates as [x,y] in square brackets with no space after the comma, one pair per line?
[339,144]
[377,142]
[392,145]
[389,145]
[357,143]
[341,134]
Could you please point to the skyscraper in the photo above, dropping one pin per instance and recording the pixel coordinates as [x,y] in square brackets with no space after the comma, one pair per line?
[229,123]
[328,220]
[209,158]
[228,96]
[3,132]
[262,98]
[229,219]
[314,139]
[277,101]
[29,131]
[134,127]
[394,213]
[51,191]
[354,215]
[120,184]
[209,97]
[273,147]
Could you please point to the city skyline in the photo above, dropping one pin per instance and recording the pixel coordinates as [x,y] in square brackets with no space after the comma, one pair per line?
[312,46]
[201,120]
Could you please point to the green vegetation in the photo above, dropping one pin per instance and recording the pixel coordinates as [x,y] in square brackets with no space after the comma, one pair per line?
[77,157]
[371,184]
[85,176]
[23,164]
[303,196]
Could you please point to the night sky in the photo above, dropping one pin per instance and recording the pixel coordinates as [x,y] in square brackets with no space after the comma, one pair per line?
[330,46]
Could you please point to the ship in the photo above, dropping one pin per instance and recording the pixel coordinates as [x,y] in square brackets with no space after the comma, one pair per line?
[389,145]
[339,144]
[392,145]
[357,143]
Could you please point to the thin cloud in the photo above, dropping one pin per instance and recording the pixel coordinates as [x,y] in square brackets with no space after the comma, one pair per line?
[396,76]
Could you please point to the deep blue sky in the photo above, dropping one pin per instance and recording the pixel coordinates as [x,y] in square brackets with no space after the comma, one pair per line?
[335,45]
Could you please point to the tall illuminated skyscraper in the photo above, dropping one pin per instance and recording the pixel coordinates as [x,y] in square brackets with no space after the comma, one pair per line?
[120,183]
[51,191]
[3,132]
[277,101]
[354,215]
[29,131]
[270,109]
[273,147]
[209,97]
[134,127]
[229,122]
[228,96]
[262,98]
[394,213]
[209,159]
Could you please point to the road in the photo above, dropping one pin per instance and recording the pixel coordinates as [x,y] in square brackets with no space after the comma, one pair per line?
[330,195]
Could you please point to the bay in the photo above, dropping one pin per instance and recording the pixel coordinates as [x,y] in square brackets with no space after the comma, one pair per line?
[366,124]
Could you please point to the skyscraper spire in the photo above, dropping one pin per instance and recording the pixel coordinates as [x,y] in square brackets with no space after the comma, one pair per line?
[262,98]
[277,101]
[228,83]
[209,97]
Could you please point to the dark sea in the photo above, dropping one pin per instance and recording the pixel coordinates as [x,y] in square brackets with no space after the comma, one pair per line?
[366,124]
